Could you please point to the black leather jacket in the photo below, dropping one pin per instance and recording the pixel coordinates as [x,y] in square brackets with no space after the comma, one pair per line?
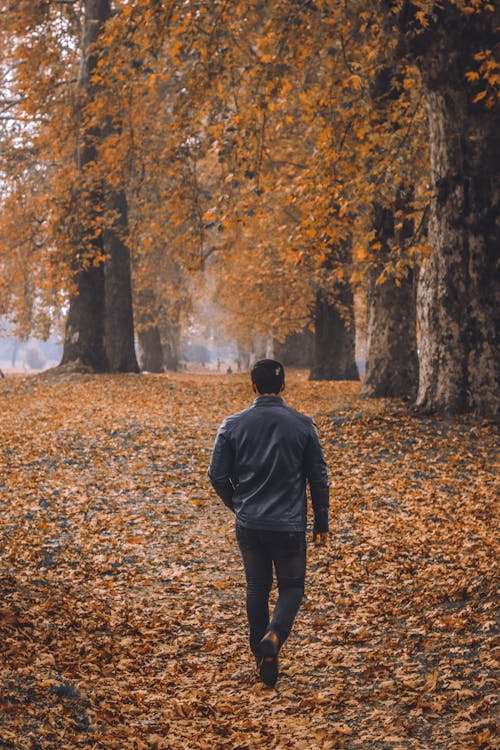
[262,458]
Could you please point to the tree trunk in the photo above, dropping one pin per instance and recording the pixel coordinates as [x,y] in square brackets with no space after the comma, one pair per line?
[84,335]
[118,320]
[151,357]
[148,332]
[15,349]
[170,333]
[99,328]
[459,295]
[296,350]
[243,358]
[392,358]
[334,337]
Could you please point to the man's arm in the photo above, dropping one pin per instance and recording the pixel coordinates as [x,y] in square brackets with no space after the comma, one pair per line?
[221,466]
[317,477]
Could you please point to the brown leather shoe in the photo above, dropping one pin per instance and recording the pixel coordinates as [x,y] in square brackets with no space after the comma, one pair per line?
[268,667]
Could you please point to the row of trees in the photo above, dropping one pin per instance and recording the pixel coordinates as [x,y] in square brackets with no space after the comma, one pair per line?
[287,157]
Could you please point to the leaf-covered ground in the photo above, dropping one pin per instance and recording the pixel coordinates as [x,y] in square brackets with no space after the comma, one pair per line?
[122,617]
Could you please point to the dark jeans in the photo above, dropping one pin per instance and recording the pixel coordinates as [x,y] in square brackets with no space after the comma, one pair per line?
[259,550]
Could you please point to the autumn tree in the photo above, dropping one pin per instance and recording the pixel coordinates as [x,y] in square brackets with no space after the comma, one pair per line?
[314,158]
[278,149]
[31,268]
[169,177]
[452,44]
[392,359]
[288,260]
[456,320]
[81,212]
[296,350]
[334,332]
[84,337]
[394,253]
[99,330]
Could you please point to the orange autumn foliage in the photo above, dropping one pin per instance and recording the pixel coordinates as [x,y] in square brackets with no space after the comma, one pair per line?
[247,140]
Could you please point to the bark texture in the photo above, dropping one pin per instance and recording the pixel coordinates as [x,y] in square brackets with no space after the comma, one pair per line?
[148,332]
[84,335]
[392,358]
[334,338]
[118,316]
[99,330]
[458,298]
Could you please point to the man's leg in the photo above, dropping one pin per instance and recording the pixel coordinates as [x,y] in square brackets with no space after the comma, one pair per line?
[259,577]
[289,555]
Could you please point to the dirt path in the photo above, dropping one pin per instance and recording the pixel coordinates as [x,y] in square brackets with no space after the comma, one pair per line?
[122,595]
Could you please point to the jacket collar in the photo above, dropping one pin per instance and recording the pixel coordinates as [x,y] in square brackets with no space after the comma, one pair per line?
[269,401]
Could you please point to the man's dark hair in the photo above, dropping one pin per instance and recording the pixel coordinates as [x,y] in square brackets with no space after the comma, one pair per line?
[268,375]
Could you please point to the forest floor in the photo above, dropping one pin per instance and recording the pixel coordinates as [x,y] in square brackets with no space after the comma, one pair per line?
[122,619]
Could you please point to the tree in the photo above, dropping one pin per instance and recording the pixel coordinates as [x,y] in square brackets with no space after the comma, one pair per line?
[334,333]
[148,333]
[274,142]
[296,350]
[392,359]
[243,148]
[74,213]
[99,330]
[396,110]
[452,45]
[31,266]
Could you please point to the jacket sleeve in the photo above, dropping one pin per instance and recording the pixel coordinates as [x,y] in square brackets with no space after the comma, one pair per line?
[221,466]
[317,477]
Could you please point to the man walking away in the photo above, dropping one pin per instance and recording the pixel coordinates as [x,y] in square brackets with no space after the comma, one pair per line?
[262,460]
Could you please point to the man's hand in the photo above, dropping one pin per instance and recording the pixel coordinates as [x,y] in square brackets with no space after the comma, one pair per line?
[320,538]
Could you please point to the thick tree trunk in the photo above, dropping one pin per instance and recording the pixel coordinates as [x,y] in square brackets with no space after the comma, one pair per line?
[118,320]
[99,329]
[334,338]
[392,358]
[296,350]
[148,332]
[459,293]
[84,335]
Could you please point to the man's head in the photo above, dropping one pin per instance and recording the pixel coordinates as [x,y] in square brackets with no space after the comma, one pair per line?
[268,376]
